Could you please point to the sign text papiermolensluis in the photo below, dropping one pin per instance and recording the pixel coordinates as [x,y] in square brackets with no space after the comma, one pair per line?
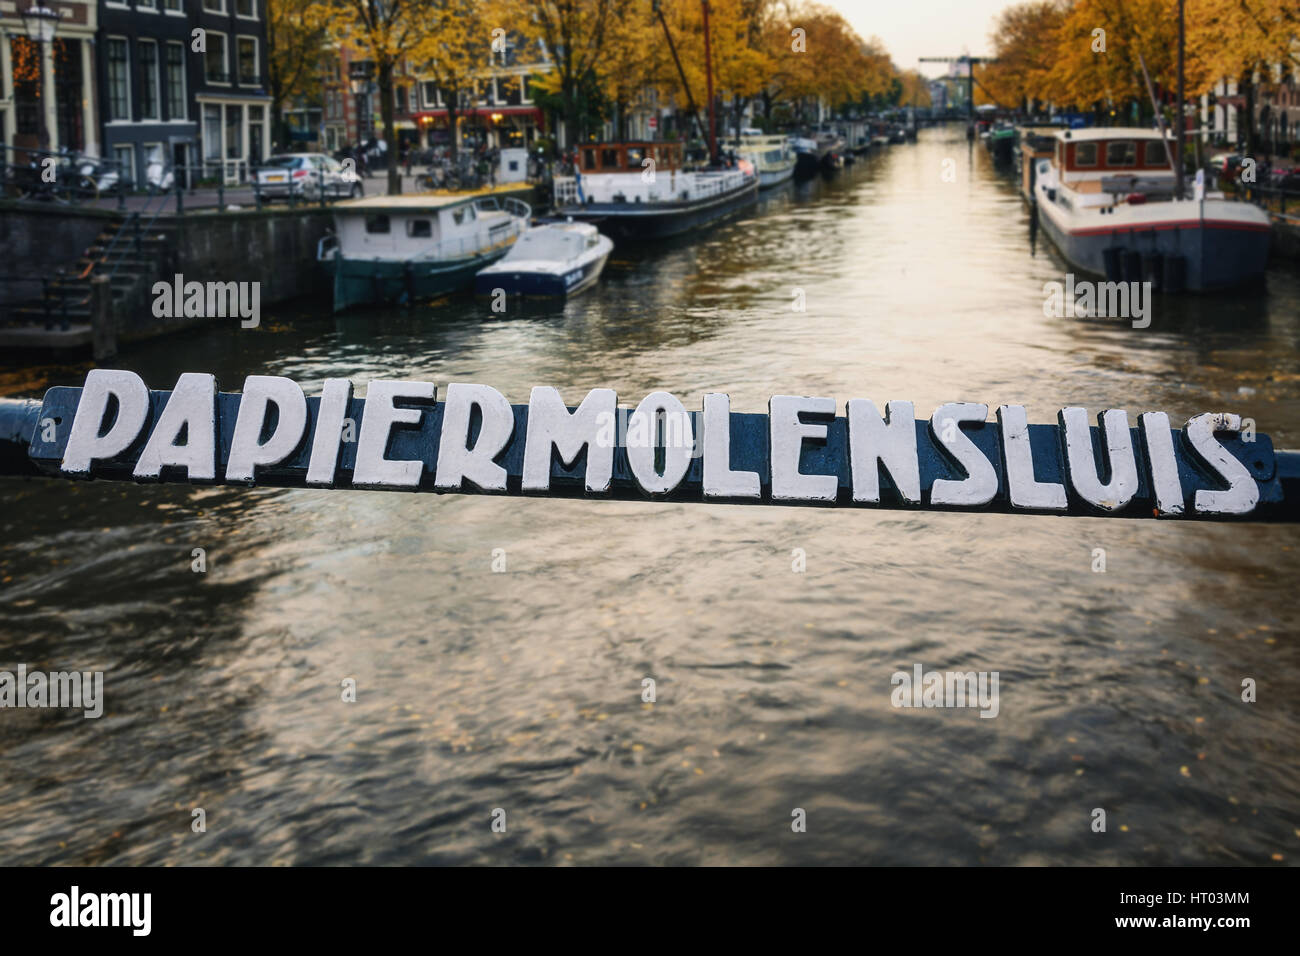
[404,436]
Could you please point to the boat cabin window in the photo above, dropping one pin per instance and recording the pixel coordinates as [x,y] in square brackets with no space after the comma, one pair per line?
[1121,153]
[1085,154]
[1155,154]
[461,214]
[628,157]
[377,224]
[419,228]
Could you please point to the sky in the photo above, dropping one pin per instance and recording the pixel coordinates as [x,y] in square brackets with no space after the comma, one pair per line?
[914,28]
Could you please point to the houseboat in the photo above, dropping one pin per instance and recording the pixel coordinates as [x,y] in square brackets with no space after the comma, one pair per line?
[554,260]
[1037,145]
[807,160]
[1106,200]
[772,156]
[643,190]
[403,248]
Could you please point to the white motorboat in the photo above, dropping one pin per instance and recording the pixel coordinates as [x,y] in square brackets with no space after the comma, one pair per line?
[554,260]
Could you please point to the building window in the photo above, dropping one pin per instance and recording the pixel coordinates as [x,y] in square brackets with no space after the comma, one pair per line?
[256,133]
[146,4]
[234,131]
[247,50]
[148,53]
[173,6]
[1085,154]
[119,80]
[211,132]
[125,156]
[176,106]
[413,103]
[246,8]
[215,62]
[524,96]
[377,225]
[214,6]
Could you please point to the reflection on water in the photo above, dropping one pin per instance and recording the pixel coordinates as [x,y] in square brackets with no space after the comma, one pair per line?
[522,690]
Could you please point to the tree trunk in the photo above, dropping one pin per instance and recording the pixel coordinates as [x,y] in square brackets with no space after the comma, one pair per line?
[1248,91]
[386,110]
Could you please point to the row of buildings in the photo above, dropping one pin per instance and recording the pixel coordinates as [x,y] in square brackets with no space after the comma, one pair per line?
[128,79]
[501,112]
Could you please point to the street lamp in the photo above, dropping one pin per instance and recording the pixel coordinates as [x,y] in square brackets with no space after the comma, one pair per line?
[40,24]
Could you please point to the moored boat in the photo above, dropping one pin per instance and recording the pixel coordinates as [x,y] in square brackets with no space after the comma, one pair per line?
[402,248]
[641,190]
[807,159]
[555,260]
[1002,143]
[772,156]
[1037,143]
[1106,200]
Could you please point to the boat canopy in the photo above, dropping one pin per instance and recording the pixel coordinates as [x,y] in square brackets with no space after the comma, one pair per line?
[553,243]
[628,157]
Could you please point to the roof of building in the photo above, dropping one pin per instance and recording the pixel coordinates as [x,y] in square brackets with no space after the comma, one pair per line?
[1094,133]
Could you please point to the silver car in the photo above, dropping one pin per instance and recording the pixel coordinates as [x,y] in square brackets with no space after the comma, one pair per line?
[306,176]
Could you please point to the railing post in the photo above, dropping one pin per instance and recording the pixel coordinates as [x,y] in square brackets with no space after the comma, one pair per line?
[121,189]
[135,230]
[180,197]
[103,336]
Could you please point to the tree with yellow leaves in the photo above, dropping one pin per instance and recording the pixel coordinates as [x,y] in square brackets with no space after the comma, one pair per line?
[456,47]
[576,36]
[385,32]
[293,55]
[1239,39]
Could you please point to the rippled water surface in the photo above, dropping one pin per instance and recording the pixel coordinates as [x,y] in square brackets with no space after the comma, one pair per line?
[522,691]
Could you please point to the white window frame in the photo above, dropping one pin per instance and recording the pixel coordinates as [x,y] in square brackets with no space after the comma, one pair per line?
[257,61]
[157,81]
[146,6]
[203,7]
[244,16]
[125,169]
[523,89]
[130,106]
[225,50]
[178,11]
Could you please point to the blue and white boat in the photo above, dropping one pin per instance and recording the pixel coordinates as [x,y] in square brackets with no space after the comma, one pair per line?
[554,260]
[1106,200]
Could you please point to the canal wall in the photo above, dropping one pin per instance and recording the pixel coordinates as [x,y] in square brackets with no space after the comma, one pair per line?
[39,239]
[276,248]
[1286,242]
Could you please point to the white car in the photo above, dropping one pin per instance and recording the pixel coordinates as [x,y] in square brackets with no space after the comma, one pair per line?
[306,176]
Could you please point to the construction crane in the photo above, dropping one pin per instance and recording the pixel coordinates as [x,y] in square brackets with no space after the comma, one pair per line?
[970,62]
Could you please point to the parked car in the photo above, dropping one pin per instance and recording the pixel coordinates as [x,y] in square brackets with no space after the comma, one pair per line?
[306,176]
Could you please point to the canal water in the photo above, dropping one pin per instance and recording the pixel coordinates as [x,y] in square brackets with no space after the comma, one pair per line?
[479,690]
